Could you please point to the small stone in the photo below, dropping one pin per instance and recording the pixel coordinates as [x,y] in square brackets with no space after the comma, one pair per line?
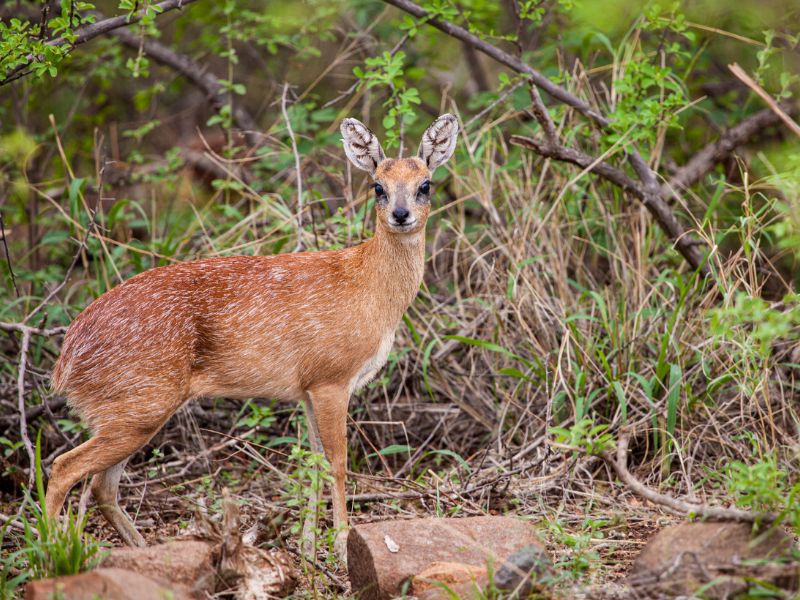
[522,570]
[722,558]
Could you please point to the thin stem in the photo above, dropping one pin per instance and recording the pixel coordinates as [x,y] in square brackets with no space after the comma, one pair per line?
[299,246]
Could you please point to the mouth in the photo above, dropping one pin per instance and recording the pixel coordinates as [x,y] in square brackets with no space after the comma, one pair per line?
[402,226]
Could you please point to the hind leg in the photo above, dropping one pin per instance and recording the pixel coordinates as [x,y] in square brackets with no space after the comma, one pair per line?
[102,454]
[105,486]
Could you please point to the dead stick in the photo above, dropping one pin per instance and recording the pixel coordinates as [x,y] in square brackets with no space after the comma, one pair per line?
[23,421]
[714,513]
[773,105]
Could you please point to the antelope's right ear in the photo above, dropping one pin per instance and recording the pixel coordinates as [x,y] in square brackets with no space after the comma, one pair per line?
[361,145]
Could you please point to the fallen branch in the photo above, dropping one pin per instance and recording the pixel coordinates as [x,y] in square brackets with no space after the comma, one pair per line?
[703,511]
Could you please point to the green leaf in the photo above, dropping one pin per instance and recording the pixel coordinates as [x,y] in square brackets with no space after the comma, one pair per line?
[395,449]
[512,372]
[454,455]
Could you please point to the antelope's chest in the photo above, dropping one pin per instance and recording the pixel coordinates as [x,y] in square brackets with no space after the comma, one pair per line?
[374,363]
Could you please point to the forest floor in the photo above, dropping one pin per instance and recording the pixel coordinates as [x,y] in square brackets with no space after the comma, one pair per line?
[592,535]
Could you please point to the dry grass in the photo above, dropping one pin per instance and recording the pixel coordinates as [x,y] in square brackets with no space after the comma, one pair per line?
[549,297]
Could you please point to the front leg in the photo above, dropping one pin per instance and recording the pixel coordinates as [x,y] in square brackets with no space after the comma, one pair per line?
[329,412]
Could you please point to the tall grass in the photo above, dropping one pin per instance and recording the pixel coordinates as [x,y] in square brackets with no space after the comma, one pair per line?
[553,308]
[49,547]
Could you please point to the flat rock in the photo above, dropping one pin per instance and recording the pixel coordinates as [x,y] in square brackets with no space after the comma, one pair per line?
[723,558]
[187,563]
[383,557]
[108,584]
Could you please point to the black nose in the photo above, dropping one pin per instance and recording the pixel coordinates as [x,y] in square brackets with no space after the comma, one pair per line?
[400,214]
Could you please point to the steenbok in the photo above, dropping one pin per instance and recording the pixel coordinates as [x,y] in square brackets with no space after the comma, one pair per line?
[311,327]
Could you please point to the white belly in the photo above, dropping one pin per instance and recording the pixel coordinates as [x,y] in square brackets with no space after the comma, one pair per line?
[374,364]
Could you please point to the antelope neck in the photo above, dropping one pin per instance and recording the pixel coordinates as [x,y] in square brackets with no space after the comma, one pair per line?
[393,265]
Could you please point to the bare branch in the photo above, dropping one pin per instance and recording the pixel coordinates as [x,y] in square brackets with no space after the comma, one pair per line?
[23,421]
[543,116]
[715,513]
[650,194]
[25,329]
[717,151]
[504,58]
[650,197]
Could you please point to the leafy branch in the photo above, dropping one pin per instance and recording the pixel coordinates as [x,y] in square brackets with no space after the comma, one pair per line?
[23,52]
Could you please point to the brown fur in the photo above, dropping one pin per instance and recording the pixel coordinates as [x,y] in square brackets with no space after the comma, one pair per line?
[310,327]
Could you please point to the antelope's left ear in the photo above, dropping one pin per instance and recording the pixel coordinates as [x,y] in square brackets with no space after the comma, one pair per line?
[439,141]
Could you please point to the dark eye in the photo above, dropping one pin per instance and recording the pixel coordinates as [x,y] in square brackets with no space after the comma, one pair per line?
[379,190]
[425,188]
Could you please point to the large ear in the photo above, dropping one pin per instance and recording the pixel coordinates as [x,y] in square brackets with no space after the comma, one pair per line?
[361,145]
[439,141]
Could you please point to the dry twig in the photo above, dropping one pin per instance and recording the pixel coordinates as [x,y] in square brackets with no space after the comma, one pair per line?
[23,422]
[715,513]
[299,246]
[773,105]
